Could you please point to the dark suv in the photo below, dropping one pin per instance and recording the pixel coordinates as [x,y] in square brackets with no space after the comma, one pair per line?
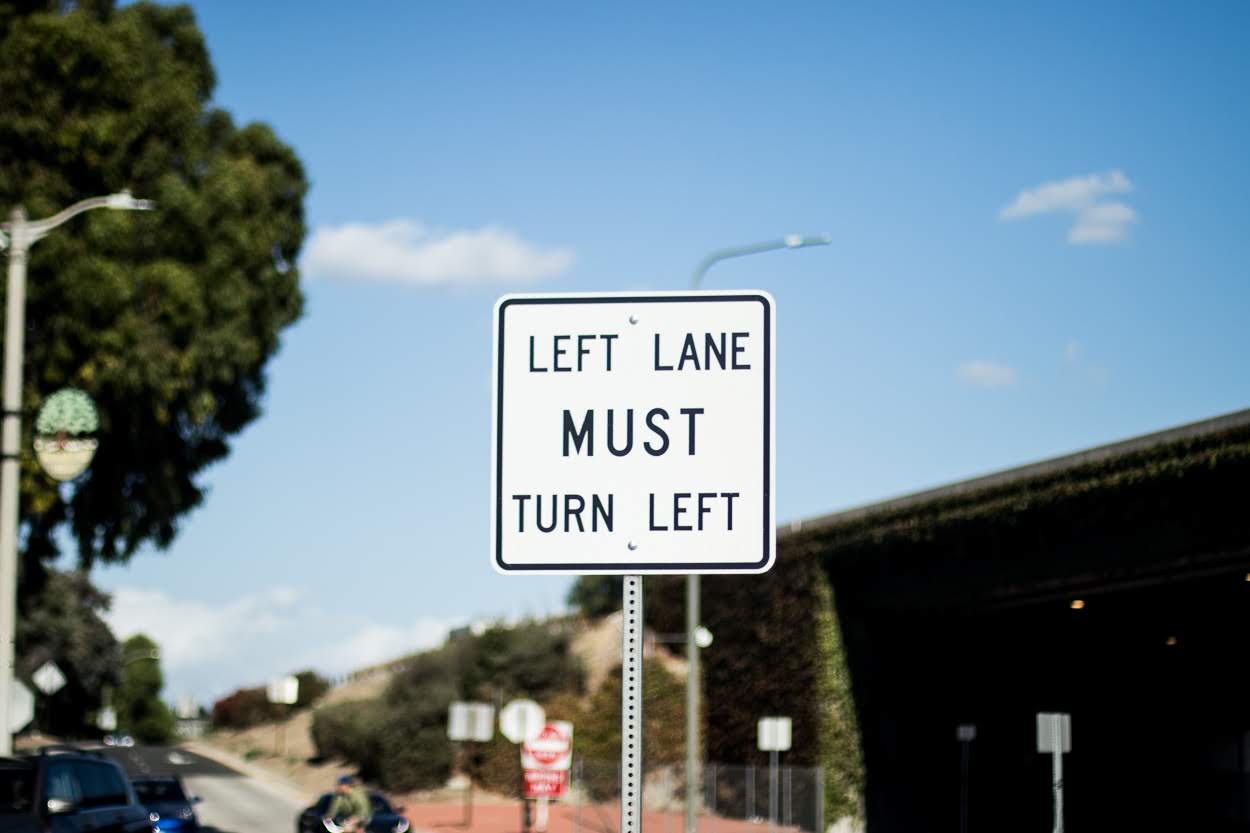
[67,790]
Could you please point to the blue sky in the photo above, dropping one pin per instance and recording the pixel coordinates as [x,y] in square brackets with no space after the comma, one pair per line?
[1039,221]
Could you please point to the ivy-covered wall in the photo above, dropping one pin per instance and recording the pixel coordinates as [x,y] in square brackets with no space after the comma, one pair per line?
[778,652]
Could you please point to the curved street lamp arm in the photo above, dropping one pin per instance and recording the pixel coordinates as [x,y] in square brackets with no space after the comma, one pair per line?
[121,201]
[790,241]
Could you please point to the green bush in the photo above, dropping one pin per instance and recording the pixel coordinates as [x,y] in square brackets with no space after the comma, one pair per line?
[311,688]
[353,732]
[597,731]
[530,660]
[400,738]
[595,596]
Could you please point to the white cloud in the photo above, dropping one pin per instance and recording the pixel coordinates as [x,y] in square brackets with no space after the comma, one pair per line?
[1102,223]
[373,644]
[1095,220]
[191,632]
[986,374]
[406,251]
[208,650]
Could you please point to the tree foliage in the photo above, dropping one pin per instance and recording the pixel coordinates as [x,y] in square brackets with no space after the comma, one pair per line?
[246,707]
[242,708]
[140,709]
[59,620]
[595,595]
[312,686]
[400,739]
[166,318]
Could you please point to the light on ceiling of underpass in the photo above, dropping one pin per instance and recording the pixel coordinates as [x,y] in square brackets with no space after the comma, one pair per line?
[1247,576]
[1171,640]
[1077,604]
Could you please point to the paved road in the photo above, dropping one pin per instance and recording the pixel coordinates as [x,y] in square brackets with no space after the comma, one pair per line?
[232,802]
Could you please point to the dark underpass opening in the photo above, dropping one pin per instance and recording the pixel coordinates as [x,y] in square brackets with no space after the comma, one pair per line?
[1151,675]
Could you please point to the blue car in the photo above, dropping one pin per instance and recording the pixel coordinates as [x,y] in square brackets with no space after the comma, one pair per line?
[172,810]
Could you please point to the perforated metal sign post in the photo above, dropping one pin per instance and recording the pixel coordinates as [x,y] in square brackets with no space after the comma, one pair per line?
[633,433]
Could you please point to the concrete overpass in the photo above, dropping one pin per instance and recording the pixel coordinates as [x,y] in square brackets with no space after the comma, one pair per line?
[1113,584]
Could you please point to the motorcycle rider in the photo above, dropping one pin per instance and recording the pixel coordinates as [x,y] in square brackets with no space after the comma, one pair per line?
[350,803]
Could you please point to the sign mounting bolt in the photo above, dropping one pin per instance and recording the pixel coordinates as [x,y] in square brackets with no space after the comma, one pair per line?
[633,319]
[632,546]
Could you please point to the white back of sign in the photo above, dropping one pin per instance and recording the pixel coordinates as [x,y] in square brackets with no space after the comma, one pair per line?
[21,706]
[1054,732]
[284,690]
[471,722]
[633,433]
[773,734]
[521,720]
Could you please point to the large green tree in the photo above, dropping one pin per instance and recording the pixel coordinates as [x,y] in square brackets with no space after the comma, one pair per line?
[166,318]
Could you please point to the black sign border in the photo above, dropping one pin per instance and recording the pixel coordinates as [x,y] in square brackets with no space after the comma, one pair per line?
[627,567]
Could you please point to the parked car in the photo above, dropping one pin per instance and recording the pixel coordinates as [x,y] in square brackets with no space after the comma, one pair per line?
[386,819]
[119,740]
[63,789]
[169,806]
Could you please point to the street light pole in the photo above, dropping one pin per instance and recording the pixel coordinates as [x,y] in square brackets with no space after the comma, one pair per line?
[18,236]
[693,686]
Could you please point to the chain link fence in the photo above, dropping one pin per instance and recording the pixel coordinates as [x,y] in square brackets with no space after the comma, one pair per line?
[733,799]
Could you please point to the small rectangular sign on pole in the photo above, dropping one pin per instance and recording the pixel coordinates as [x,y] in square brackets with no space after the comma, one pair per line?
[773,734]
[473,722]
[1054,736]
[1054,732]
[773,737]
[284,690]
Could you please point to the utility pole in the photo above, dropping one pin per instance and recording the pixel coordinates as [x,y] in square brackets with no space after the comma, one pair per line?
[693,614]
[18,236]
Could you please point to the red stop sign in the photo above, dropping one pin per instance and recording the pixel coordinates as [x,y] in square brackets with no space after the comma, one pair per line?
[550,746]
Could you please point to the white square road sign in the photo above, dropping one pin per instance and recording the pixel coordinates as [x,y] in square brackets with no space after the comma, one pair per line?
[284,690]
[773,734]
[633,433]
[471,722]
[1054,732]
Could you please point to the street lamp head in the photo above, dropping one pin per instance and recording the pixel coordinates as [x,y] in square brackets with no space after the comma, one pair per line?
[798,241]
[702,637]
[125,201]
